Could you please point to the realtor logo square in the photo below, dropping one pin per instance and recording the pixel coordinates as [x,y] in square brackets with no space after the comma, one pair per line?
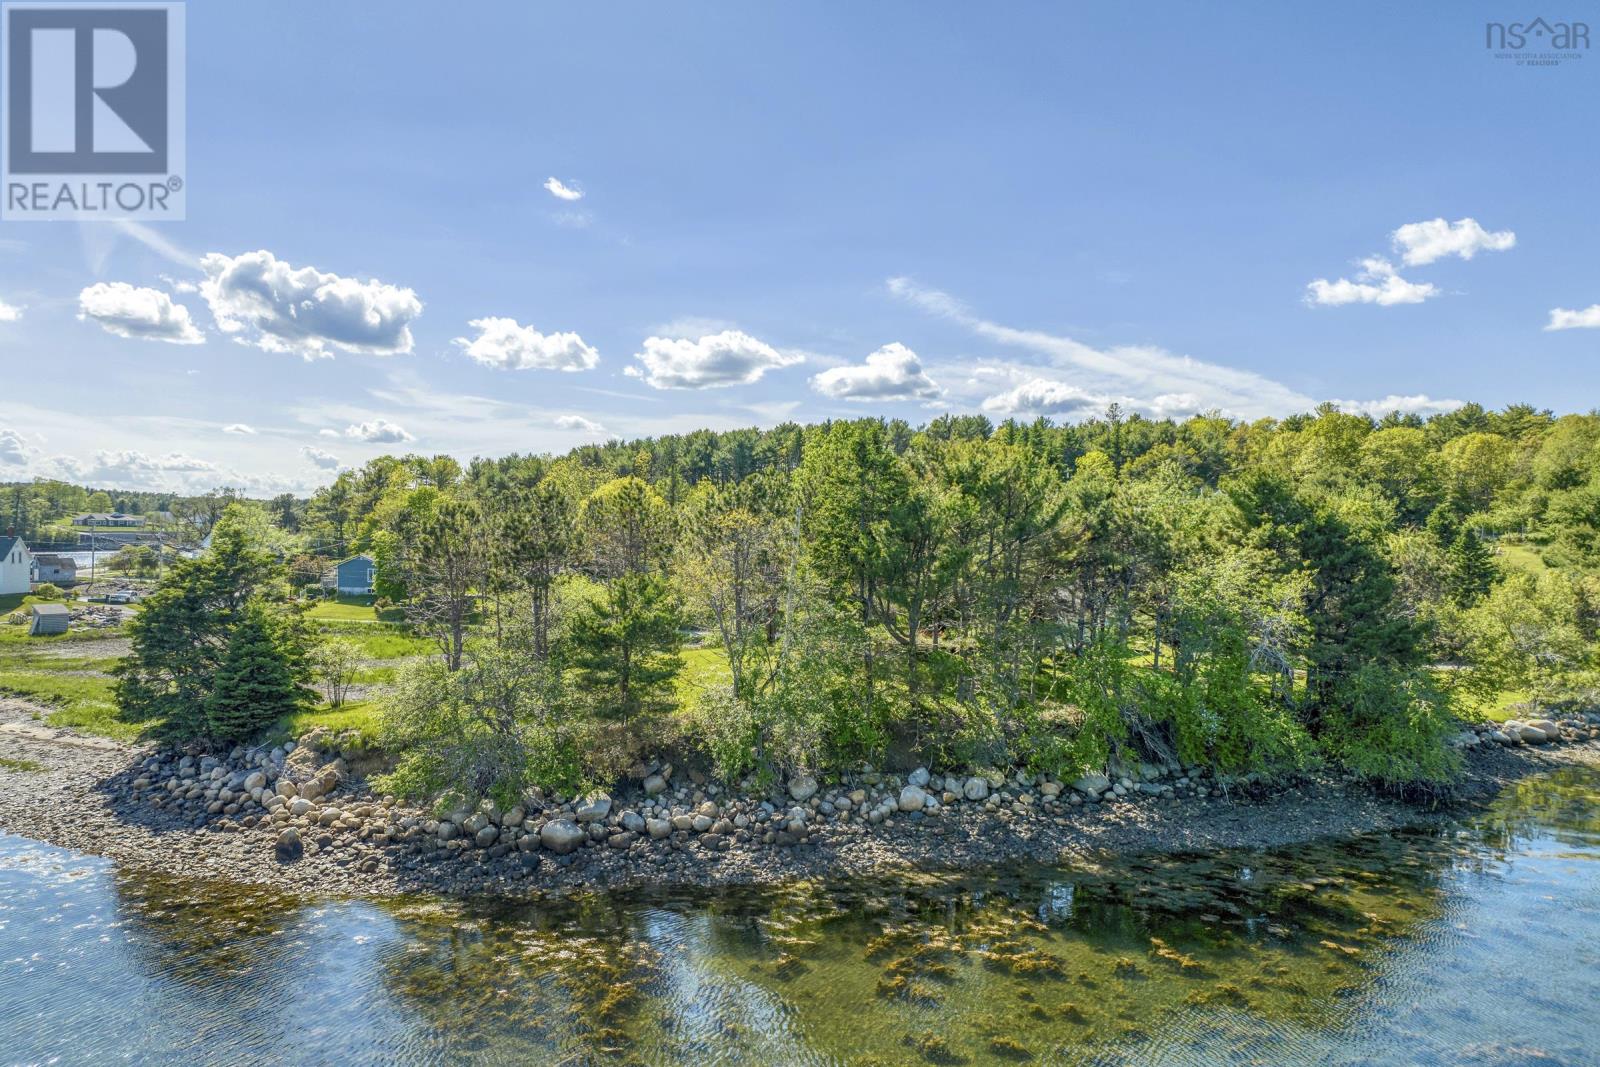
[92,110]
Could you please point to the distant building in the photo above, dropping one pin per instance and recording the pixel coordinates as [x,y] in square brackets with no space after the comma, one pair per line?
[108,518]
[55,569]
[352,577]
[16,566]
[49,619]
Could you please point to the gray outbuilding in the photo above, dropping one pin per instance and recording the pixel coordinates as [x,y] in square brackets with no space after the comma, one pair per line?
[49,619]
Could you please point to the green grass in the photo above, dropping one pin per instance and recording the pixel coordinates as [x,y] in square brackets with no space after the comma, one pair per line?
[359,715]
[12,764]
[352,609]
[380,642]
[82,702]
[1521,556]
[1495,708]
[703,668]
[17,634]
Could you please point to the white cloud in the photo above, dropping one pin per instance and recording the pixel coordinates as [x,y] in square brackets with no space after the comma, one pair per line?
[716,360]
[130,468]
[9,312]
[130,311]
[505,344]
[14,449]
[578,422]
[239,428]
[893,372]
[1044,396]
[377,431]
[1140,377]
[1420,404]
[562,191]
[265,302]
[1566,319]
[1421,243]
[321,458]
[1376,283]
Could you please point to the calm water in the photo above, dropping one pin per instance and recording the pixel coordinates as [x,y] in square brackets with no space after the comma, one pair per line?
[1479,945]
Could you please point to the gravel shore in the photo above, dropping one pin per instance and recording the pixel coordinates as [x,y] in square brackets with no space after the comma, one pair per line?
[107,799]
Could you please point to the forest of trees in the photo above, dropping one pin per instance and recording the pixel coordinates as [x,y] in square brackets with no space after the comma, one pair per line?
[1270,596]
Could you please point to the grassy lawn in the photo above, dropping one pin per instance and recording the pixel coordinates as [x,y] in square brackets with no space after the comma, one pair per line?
[352,609]
[80,701]
[1495,708]
[703,668]
[17,634]
[380,642]
[358,715]
[1521,556]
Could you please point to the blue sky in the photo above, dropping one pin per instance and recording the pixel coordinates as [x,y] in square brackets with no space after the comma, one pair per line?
[804,211]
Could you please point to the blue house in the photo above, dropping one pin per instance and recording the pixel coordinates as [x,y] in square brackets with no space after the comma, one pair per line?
[352,577]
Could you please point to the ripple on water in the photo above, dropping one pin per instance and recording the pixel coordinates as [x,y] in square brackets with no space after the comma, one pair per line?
[1476,944]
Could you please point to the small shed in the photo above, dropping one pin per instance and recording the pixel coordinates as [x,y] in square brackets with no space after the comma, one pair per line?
[49,619]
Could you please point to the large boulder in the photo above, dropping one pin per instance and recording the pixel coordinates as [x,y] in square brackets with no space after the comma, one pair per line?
[913,798]
[658,828]
[562,836]
[1092,785]
[976,788]
[919,777]
[655,785]
[595,807]
[803,788]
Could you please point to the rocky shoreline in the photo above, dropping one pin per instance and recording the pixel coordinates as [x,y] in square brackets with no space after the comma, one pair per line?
[295,816]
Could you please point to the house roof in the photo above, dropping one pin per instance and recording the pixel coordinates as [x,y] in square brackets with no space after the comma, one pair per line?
[352,559]
[7,543]
[50,609]
[52,559]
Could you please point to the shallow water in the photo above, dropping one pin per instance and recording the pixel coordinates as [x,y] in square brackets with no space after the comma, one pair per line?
[1476,944]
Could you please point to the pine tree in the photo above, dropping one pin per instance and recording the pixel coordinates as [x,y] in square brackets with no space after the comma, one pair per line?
[1472,569]
[626,645]
[260,681]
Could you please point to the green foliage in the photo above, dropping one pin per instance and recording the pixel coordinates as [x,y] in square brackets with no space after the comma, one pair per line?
[261,678]
[183,634]
[1392,725]
[493,728]
[625,645]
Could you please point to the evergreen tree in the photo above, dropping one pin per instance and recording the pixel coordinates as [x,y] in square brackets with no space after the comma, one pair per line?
[261,678]
[625,645]
[1472,569]
[182,633]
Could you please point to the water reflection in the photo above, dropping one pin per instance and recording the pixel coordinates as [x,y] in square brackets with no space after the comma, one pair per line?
[1476,944]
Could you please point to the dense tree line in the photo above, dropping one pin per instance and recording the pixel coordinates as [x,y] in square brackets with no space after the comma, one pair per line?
[1266,595]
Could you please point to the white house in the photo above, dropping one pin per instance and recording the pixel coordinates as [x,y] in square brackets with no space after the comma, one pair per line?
[16,565]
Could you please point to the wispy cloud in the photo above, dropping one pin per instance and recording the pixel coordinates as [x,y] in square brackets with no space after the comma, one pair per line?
[1143,377]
